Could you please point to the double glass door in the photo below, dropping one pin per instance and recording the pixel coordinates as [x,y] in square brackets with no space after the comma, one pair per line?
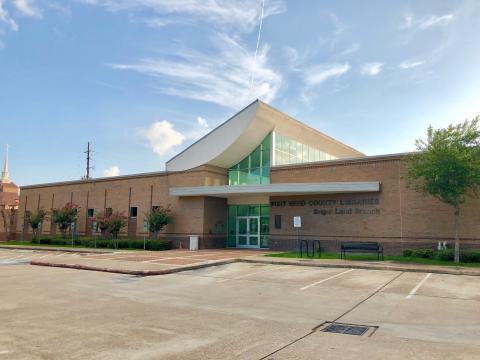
[248,231]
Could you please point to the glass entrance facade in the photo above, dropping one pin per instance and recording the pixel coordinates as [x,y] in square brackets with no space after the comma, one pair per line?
[248,226]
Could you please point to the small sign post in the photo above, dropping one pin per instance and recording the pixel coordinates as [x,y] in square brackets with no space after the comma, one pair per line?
[72,228]
[145,229]
[94,230]
[297,224]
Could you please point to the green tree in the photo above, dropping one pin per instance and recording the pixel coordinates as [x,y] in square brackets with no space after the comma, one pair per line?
[447,166]
[35,219]
[102,222]
[158,218]
[64,216]
[9,218]
[116,222]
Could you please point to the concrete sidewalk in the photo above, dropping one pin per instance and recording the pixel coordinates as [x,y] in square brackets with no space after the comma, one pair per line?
[368,265]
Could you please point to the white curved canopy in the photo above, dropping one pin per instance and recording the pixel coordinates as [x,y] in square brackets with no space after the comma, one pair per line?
[236,138]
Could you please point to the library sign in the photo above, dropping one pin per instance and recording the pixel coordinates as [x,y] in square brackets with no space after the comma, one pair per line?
[326,207]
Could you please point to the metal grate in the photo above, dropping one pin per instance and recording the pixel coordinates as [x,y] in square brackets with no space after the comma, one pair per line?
[346,329]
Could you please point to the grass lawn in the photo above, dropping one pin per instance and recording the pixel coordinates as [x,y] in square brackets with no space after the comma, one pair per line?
[29,244]
[366,257]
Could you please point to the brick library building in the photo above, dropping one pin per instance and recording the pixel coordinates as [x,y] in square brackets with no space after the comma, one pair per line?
[241,186]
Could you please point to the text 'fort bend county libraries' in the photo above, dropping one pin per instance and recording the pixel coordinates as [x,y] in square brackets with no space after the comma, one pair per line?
[348,206]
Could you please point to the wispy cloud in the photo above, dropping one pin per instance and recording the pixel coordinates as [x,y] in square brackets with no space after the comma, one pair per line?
[371,69]
[112,171]
[319,74]
[411,22]
[27,8]
[6,19]
[244,15]
[220,78]
[407,64]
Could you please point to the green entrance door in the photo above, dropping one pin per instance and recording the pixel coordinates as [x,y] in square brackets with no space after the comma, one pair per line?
[248,231]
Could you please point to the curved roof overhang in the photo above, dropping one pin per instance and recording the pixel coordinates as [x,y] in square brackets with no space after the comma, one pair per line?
[229,143]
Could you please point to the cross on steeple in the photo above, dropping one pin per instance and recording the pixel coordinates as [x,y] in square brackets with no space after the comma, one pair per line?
[5,178]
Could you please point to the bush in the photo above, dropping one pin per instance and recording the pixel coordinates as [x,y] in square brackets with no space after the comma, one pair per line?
[90,242]
[424,253]
[443,255]
[469,256]
[407,253]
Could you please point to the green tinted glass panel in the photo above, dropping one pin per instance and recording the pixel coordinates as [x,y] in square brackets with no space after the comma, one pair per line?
[255,158]
[233,177]
[253,226]
[253,240]
[248,170]
[242,226]
[245,164]
[254,210]
[265,210]
[264,225]
[232,241]
[242,240]
[243,177]
[242,210]
[264,240]
[254,176]
[265,175]
[232,220]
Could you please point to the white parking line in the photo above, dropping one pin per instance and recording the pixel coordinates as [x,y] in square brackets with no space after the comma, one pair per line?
[419,285]
[322,281]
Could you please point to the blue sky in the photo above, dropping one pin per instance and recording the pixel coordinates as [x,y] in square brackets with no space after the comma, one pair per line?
[143,79]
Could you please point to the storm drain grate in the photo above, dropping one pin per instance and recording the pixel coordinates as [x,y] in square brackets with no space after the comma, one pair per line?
[347,329]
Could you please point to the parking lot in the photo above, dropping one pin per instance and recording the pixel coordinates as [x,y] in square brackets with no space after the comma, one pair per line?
[239,310]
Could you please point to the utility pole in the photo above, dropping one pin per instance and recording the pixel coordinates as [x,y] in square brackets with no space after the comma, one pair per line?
[89,158]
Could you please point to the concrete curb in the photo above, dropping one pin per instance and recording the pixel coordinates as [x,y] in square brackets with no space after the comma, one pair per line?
[133,272]
[86,251]
[462,271]
[307,263]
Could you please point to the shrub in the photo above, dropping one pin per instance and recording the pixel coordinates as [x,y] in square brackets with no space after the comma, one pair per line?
[446,255]
[443,255]
[423,253]
[123,243]
[469,256]
[407,253]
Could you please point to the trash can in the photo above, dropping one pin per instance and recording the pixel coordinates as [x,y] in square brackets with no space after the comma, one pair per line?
[194,242]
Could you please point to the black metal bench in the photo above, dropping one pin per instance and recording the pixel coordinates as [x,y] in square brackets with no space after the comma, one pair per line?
[361,247]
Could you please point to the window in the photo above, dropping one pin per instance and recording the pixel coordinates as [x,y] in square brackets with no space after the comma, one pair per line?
[133,212]
[155,207]
[278,221]
[254,169]
[288,151]
[90,212]
[108,211]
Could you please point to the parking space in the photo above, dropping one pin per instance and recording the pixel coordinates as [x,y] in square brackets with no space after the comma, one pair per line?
[238,310]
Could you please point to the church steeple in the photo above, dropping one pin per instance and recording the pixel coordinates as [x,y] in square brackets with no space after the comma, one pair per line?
[5,178]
